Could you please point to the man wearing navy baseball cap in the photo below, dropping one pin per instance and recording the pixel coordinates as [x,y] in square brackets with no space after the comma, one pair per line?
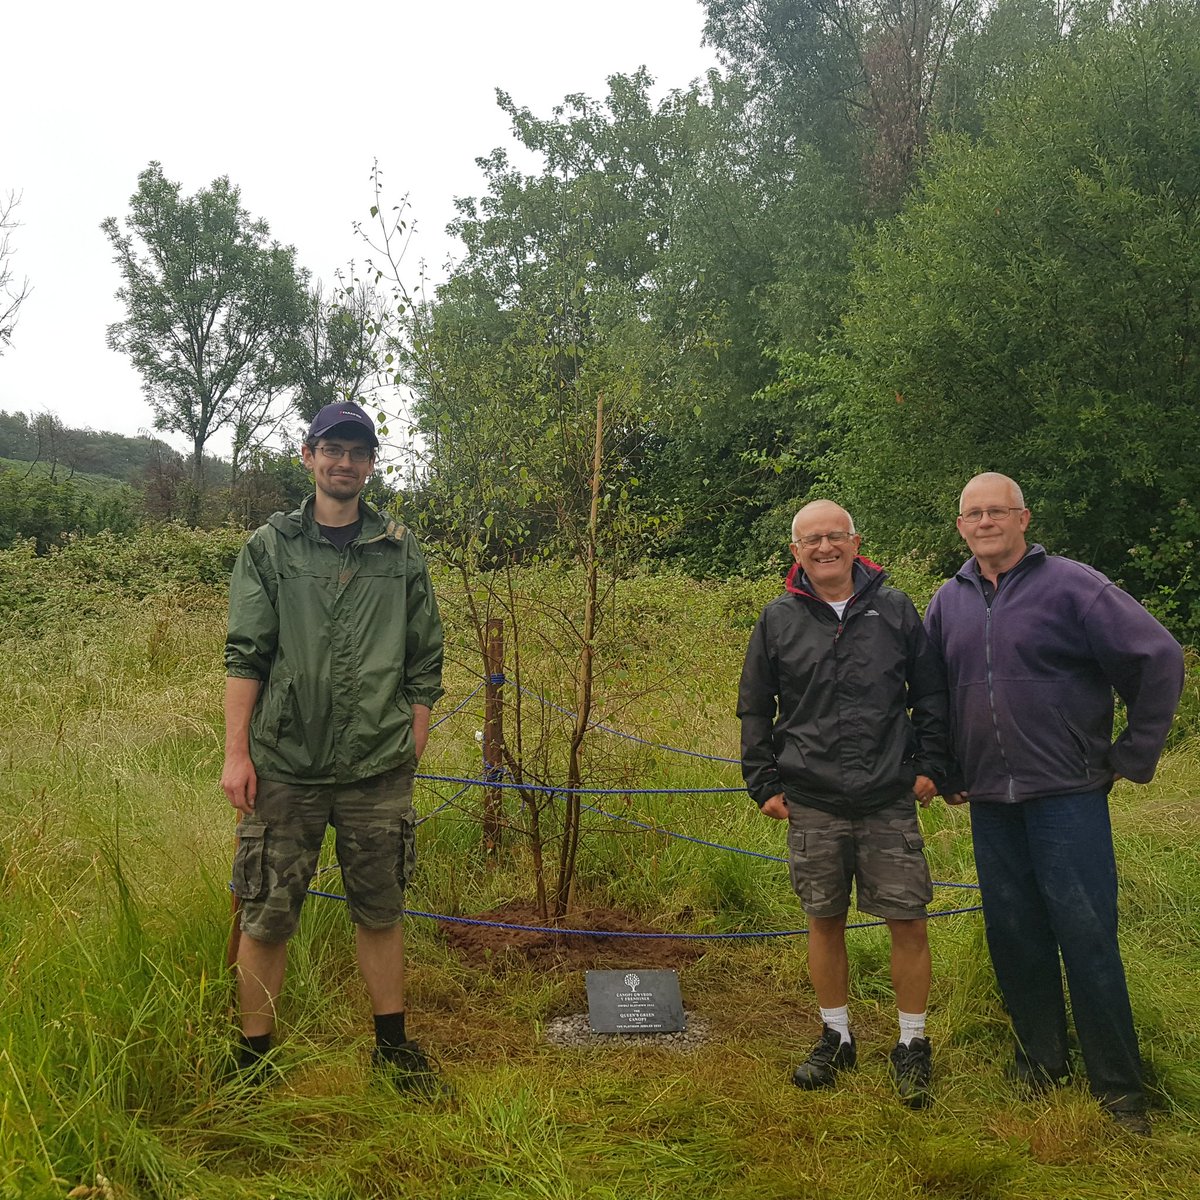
[333,663]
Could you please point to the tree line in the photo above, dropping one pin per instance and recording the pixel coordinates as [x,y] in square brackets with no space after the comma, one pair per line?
[56,480]
[886,246]
[883,247]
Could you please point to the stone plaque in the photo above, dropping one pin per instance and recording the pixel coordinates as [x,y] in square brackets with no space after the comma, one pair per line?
[634,1001]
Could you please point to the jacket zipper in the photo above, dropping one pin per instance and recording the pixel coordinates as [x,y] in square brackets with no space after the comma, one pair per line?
[837,633]
[987,646]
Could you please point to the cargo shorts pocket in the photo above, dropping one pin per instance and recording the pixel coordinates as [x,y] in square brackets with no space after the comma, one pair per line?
[894,880]
[914,843]
[406,859]
[249,863]
[797,863]
[819,871]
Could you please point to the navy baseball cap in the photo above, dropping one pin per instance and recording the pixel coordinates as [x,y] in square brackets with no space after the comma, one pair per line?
[345,413]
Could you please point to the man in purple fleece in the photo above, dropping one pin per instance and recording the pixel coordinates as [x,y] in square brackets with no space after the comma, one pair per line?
[1035,646]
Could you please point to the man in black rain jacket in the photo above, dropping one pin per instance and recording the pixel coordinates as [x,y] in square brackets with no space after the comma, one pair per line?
[844,730]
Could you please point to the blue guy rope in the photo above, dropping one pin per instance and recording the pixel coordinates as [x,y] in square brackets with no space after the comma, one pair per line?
[684,837]
[580,791]
[626,933]
[445,804]
[455,711]
[694,937]
[494,778]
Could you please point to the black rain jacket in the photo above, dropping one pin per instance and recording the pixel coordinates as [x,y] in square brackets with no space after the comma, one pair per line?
[825,703]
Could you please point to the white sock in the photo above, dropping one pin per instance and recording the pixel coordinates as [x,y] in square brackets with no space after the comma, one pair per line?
[839,1019]
[912,1025]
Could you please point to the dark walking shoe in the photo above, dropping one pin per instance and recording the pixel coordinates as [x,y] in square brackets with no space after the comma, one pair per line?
[248,1072]
[1127,1111]
[912,1069]
[1131,1120]
[829,1056]
[1034,1077]
[407,1069]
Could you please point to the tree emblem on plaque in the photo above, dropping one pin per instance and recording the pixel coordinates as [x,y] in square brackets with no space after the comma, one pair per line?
[631,981]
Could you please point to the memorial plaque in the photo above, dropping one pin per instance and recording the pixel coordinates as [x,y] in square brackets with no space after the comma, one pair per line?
[634,1001]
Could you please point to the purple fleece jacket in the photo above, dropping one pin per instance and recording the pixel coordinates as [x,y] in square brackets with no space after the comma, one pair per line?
[1032,678]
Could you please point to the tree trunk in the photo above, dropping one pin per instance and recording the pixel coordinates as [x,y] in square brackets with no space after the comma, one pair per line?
[583,690]
[493,735]
[196,499]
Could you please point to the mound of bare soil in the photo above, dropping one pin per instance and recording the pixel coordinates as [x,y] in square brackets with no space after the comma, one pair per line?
[484,944]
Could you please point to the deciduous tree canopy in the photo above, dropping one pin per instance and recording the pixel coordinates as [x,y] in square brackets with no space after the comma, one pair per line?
[1035,308]
[212,305]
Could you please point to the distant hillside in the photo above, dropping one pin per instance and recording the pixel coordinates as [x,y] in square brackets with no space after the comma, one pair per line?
[92,483]
[43,438]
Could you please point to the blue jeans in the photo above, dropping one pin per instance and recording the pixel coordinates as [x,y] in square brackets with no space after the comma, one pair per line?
[1048,880]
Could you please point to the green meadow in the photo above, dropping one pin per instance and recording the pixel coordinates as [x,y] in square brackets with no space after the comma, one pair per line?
[115,1014]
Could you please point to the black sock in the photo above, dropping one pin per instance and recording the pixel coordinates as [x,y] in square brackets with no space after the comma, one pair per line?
[389,1030]
[251,1049]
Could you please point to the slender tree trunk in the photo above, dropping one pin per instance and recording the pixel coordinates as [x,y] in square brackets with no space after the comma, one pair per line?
[533,801]
[583,689]
[197,497]
[493,735]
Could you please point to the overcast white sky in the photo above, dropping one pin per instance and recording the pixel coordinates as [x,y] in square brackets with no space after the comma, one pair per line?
[293,102]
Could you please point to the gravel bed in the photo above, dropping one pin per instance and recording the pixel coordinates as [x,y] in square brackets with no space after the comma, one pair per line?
[575,1030]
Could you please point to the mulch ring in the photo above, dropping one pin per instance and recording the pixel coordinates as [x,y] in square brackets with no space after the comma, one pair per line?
[482,945]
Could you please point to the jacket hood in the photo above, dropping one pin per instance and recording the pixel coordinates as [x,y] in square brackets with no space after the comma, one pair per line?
[866,574]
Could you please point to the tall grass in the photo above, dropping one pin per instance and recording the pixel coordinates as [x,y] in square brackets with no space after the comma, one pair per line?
[115,1015]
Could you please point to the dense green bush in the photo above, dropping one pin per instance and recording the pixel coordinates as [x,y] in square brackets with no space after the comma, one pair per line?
[90,574]
[1031,310]
[34,506]
[1166,563]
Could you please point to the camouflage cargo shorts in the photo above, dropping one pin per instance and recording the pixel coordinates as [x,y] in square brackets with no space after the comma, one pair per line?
[882,853]
[280,841]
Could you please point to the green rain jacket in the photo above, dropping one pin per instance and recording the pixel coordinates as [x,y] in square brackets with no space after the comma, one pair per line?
[345,642]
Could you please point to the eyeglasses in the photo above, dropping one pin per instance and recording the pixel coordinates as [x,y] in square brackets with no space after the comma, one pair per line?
[358,454]
[836,538]
[974,515]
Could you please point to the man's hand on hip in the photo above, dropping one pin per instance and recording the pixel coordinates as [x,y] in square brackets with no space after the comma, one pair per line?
[776,807]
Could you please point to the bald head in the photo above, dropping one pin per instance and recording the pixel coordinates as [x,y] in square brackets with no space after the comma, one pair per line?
[823,510]
[991,480]
[992,520]
[824,546]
